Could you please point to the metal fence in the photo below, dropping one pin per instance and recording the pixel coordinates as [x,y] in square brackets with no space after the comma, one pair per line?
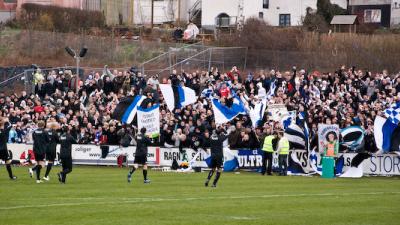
[188,58]
[196,58]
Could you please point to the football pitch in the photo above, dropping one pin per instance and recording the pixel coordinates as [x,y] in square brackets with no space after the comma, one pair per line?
[101,195]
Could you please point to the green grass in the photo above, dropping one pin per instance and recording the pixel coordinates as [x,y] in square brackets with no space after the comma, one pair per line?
[101,195]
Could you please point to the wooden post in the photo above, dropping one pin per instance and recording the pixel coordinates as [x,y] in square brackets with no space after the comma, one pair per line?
[152,13]
[179,12]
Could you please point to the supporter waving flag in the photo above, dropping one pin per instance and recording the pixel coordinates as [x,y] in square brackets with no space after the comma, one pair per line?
[271,91]
[223,113]
[257,112]
[127,108]
[177,96]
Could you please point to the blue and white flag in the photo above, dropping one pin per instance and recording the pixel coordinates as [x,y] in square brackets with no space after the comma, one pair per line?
[302,122]
[296,137]
[257,113]
[224,114]
[271,91]
[183,95]
[383,132]
[352,137]
[393,113]
[127,108]
[207,93]
[288,119]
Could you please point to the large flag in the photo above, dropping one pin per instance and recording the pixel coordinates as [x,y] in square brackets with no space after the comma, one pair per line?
[352,137]
[296,137]
[177,96]
[126,108]
[224,114]
[257,113]
[302,122]
[384,133]
[393,113]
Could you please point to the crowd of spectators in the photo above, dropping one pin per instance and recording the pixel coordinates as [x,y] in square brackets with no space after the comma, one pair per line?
[345,97]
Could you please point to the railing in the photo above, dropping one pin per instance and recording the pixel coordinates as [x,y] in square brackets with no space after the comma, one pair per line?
[195,9]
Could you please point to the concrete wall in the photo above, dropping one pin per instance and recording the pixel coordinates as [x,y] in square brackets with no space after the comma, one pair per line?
[212,8]
[6,15]
[395,15]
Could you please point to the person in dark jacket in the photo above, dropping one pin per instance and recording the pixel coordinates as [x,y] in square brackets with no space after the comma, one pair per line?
[5,128]
[216,142]
[66,141]
[51,149]
[40,143]
[141,155]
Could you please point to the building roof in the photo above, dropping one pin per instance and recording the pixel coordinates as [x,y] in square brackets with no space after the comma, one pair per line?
[8,5]
[344,20]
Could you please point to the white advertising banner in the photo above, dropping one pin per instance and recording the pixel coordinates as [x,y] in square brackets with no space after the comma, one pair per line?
[92,154]
[167,156]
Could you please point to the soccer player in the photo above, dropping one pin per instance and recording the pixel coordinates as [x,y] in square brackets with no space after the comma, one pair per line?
[51,149]
[66,141]
[40,142]
[141,155]
[5,128]
[216,142]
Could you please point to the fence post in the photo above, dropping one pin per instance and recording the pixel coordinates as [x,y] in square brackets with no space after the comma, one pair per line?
[209,59]
[245,59]
[169,61]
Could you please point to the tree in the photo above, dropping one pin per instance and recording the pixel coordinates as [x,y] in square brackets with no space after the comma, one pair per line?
[327,10]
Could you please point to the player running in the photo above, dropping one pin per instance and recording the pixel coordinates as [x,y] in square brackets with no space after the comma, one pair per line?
[141,155]
[5,128]
[216,145]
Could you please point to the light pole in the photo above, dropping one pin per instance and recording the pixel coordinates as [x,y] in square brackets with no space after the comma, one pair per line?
[82,54]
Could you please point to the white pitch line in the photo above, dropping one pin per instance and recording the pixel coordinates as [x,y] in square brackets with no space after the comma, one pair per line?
[143,200]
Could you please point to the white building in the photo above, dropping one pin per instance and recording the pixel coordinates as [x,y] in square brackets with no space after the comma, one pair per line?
[274,12]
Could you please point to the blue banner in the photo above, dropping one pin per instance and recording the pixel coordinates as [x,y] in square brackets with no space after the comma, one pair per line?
[250,159]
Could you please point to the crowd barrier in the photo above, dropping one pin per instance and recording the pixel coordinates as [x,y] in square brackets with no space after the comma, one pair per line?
[382,164]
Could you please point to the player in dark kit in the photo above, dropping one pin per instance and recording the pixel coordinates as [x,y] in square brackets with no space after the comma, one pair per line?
[141,155]
[5,128]
[40,142]
[51,149]
[216,145]
[66,141]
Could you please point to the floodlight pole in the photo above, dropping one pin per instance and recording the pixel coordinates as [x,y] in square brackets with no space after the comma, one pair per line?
[78,59]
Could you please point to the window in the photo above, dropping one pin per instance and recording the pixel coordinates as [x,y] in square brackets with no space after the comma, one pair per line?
[372,16]
[284,20]
[222,20]
[261,15]
[265,4]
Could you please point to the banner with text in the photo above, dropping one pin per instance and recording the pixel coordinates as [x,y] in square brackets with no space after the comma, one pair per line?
[323,132]
[149,119]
